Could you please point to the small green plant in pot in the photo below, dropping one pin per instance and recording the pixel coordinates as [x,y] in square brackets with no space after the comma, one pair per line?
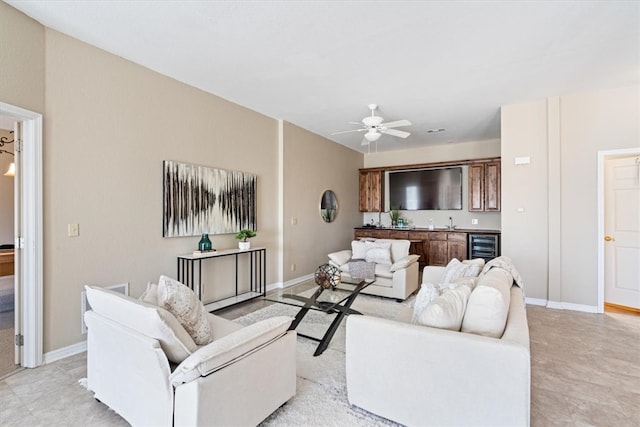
[243,235]
[394,214]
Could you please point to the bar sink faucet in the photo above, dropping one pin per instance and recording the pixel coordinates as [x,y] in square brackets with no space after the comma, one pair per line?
[451,223]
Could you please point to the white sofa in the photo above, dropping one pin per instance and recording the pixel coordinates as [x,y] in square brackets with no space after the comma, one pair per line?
[144,365]
[423,376]
[396,277]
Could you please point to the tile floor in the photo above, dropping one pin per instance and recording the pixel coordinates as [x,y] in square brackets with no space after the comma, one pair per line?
[585,371]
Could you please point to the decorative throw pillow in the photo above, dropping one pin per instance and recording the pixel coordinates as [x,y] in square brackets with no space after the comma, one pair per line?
[183,303]
[456,269]
[447,310]
[427,293]
[378,252]
[358,249]
[151,294]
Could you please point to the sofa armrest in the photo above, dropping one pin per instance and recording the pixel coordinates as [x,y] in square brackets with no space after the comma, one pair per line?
[429,368]
[229,348]
[341,257]
[432,274]
[404,263]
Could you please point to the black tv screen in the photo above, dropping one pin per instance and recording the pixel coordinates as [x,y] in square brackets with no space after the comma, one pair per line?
[426,189]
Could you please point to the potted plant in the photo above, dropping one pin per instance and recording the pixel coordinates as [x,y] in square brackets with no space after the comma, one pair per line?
[394,214]
[243,235]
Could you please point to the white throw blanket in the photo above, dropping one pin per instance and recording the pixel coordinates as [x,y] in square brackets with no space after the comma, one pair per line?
[506,264]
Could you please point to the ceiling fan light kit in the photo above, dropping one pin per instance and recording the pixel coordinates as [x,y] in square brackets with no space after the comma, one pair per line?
[375,127]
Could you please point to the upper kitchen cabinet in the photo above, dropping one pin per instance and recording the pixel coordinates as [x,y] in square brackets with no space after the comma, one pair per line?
[484,187]
[371,190]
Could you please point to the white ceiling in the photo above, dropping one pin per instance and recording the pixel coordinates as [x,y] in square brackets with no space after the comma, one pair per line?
[317,64]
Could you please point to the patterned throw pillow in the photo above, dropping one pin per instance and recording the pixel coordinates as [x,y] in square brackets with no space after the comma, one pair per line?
[183,303]
[378,252]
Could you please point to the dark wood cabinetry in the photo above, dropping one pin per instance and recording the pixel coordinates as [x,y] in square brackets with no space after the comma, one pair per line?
[371,190]
[484,187]
[432,247]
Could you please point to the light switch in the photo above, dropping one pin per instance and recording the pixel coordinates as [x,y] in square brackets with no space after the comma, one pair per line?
[73,230]
[294,221]
[474,221]
[523,160]
[520,210]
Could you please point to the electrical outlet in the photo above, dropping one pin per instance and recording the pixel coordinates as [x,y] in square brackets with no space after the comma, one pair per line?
[293,267]
[474,221]
[73,230]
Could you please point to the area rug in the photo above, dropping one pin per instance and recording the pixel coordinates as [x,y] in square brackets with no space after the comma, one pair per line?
[321,395]
[6,293]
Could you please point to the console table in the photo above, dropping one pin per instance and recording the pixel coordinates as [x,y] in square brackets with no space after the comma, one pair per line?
[190,273]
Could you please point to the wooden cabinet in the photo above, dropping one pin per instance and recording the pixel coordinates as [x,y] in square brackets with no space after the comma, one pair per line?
[456,246]
[432,247]
[484,187]
[371,190]
[444,246]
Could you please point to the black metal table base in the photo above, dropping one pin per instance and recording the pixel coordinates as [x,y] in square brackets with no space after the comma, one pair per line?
[342,307]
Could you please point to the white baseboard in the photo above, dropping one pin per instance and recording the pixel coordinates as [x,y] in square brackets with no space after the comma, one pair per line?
[558,305]
[536,301]
[63,352]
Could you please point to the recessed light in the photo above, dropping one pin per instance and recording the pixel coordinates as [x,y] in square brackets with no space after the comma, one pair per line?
[436,130]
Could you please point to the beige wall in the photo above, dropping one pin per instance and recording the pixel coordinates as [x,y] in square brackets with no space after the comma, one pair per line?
[109,124]
[6,192]
[440,153]
[21,60]
[554,242]
[313,164]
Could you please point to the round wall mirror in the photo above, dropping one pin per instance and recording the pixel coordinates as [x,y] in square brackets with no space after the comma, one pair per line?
[328,206]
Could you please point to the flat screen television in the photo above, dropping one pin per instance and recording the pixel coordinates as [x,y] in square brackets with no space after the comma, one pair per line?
[426,189]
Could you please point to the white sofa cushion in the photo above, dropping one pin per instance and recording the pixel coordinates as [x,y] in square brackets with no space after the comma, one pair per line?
[378,252]
[227,349]
[404,263]
[427,293]
[358,249]
[457,269]
[383,270]
[150,295]
[183,303]
[341,257]
[447,310]
[488,304]
[150,320]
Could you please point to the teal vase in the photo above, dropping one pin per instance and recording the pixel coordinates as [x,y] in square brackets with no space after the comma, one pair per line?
[205,243]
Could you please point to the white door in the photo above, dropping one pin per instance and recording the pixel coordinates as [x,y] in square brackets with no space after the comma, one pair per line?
[17,137]
[622,232]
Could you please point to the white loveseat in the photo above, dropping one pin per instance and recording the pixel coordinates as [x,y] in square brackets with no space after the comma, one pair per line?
[396,271]
[144,365]
[424,376]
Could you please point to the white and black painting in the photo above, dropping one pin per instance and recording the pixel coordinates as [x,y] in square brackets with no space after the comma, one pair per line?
[200,199]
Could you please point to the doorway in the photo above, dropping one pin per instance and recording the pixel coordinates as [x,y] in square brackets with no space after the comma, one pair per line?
[28,235]
[9,353]
[619,230]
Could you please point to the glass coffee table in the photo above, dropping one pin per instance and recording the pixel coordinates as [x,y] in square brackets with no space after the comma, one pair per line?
[338,300]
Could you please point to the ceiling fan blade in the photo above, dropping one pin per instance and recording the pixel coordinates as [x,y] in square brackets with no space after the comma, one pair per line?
[394,132]
[396,124]
[347,131]
[355,123]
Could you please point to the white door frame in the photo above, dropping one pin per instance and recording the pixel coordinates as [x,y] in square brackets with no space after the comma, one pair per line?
[31,233]
[603,156]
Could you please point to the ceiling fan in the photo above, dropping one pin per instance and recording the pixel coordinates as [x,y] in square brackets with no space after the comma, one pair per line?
[374,127]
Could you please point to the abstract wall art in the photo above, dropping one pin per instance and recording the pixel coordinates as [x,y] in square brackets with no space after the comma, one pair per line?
[200,199]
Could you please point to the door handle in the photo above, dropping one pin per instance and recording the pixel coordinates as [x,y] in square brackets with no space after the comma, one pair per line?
[608,238]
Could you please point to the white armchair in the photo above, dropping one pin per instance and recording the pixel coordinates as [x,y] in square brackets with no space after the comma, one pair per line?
[144,365]
[396,271]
